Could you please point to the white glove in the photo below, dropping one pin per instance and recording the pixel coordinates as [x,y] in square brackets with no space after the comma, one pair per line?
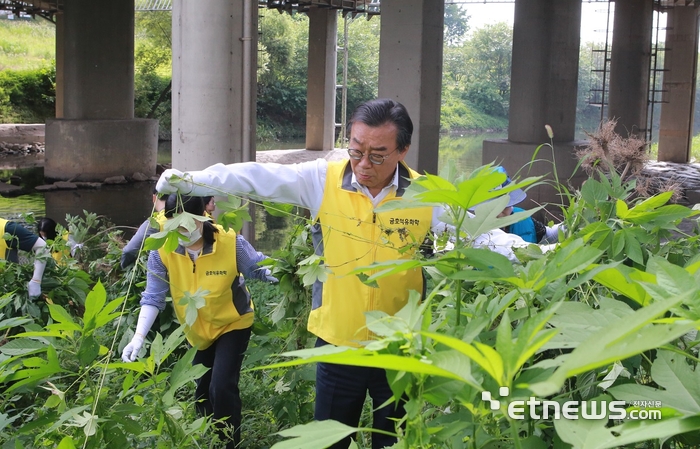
[131,351]
[147,316]
[552,233]
[269,277]
[165,185]
[34,288]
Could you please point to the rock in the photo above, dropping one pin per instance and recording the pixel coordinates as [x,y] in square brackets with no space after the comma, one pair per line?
[140,177]
[46,188]
[8,188]
[65,185]
[115,180]
[88,185]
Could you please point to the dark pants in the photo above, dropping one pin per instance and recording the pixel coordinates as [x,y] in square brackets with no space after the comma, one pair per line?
[340,395]
[217,391]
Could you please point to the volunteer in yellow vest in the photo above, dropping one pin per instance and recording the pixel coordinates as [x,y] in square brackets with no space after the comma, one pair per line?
[14,237]
[211,259]
[47,231]
[341,197]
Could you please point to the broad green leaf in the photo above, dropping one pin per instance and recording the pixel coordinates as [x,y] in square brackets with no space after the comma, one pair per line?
[6,420]
[154,242]
[93,305]
[617,341]
[88,351]
[22,346]
[633,249]
[618,243]
[363,357]
[87,421]
[63,319]
[66,443]
[37,370]
[105,315]
[571,259]
[486,357]
[312,269]
[183,372]
[14,322]
[193,302]
[488,261]
[278,209]
[621,209]
[627,281]
[592,434]
[314,435]
[392,267]
[485,217]
[681,385]
[457,363]
[592,192]
[531,337]
[671,278]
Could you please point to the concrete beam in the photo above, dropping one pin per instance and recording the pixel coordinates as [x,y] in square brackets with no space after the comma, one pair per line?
[95,135]
[214,82]
[629,66]
[410,71]
[321,79]
[92,150]
[544,73]
[680,75]
[98,50]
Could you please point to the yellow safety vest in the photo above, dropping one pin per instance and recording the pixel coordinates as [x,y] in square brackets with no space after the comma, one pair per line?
[228,305]
[3,242]
[354,236]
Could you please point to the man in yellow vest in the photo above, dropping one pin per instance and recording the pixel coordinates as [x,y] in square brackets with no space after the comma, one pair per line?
[348,233]
[16,237]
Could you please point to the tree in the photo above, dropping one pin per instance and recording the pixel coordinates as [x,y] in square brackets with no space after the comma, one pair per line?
[456,24]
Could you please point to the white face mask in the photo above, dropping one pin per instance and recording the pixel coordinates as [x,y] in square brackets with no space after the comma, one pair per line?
[193,236]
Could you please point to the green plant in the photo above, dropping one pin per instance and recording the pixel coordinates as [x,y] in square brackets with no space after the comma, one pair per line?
[554,326]
[88,400]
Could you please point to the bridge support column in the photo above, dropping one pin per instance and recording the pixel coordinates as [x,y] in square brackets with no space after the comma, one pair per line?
[680,75]
[410,71]
[97,74]
[214,82]
[544,83]
[629,66]
[321,79]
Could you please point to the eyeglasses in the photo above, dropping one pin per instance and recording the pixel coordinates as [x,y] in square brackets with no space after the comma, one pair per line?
[376,159]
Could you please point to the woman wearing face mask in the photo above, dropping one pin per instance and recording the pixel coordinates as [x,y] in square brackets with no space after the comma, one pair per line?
[203,262]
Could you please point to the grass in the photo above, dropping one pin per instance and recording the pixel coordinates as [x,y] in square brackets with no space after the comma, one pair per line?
[27,44]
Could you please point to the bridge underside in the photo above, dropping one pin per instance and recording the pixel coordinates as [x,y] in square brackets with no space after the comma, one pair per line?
[544,72]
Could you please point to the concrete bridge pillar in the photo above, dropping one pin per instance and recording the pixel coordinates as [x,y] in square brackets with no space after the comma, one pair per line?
[544,81]
[410,71]
[321,79]
[214,82]
[629,66]
[97,136]
[680,75]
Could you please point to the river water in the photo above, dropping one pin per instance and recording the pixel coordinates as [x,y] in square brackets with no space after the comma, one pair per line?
[128,205]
